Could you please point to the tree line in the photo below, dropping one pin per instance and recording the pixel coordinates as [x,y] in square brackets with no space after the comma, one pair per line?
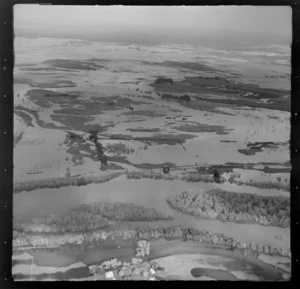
[95,238]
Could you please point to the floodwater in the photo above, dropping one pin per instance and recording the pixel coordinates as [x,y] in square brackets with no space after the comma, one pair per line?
[216,260]
[247,126]
[146,192]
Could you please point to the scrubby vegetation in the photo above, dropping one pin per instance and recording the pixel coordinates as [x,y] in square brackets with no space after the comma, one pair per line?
[184,97]
[249,151]
[170,233]
[234,207]
[162,80]
[153,174]
[143,248]
[158,174]
[124,212]
[113,269]
[71,221]
[206,177]
[89,217]
[264,185]
[118,149]
[109,264]
[256,147]
[99,148]
[206,236]
[77,159]
[61,182]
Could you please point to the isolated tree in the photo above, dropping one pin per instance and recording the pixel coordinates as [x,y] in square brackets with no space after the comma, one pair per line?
[216,175]
[143,248]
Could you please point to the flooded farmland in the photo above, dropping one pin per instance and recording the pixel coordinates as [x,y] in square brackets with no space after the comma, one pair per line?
[156,157]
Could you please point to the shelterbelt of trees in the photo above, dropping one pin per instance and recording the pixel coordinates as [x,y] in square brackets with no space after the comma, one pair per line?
[95,238]
[206,178]
[234,207]
[152,174]
[54,183]
[89,217]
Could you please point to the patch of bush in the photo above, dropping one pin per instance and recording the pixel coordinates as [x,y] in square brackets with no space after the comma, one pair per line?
[234,207]
[162,80]
[89,217]
[55,183]
[71,221]
[118,148]
[125,212]
[169,233]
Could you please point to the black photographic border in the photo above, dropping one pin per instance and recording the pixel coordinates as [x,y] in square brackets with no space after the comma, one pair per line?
[6,136]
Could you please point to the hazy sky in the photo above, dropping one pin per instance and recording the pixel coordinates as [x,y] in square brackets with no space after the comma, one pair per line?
[265,20]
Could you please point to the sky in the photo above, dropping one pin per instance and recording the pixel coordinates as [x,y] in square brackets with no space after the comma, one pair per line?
[276,20]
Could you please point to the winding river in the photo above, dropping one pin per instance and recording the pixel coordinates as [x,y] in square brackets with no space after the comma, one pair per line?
[150,193]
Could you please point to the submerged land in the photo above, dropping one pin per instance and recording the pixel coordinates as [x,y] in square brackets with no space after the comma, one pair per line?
[193,109]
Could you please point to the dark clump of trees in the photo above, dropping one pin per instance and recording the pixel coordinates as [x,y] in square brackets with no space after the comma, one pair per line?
[99,148]
[234,207]
[93,135]
[216,175]
[162,80]
[168,96]
[56,94]
[185,97]
[118,149]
